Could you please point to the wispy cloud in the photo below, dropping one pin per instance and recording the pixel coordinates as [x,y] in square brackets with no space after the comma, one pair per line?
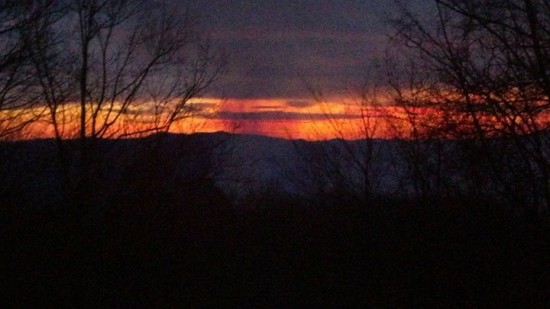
[279,115]
[277,48]
[268,34]
[270,107]
[300,103]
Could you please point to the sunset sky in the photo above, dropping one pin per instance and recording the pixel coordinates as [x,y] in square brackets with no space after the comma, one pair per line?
[295,70]
[279,50]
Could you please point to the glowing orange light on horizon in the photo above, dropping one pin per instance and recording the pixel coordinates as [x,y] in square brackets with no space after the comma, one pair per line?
[308,120]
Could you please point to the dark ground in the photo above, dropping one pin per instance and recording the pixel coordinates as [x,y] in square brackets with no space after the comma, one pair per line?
[149,232]
[386,254]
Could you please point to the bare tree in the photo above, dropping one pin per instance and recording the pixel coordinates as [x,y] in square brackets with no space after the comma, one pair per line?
[488,78]
[350,166]
[112,69]
[18,99]
[16,95]
[423,149]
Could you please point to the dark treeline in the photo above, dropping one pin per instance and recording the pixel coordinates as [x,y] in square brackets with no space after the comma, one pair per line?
[161,230]
[453,212]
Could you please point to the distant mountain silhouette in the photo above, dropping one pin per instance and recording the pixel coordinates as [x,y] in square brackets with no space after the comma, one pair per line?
[222,218]
[243,165]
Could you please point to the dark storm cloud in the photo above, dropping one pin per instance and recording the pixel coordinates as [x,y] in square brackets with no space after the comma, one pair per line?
[278,48]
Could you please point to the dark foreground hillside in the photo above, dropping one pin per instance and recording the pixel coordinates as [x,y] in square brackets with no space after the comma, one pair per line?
[153,227]
[387,254]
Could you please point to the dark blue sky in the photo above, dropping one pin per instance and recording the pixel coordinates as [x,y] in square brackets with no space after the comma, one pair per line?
[277,48]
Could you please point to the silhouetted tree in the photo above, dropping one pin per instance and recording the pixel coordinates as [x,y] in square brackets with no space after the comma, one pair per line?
[18,98]
[16,85]
[111,69]
[349,166]
[487,76]
[425,155]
